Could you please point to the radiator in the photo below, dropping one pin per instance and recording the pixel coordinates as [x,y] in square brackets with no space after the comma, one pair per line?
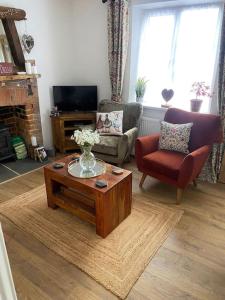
[148,126]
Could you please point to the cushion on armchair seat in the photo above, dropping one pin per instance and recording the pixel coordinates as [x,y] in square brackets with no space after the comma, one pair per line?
[107,145]
[164,162]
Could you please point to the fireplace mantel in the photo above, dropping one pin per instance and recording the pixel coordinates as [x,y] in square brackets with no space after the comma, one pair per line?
[19,77]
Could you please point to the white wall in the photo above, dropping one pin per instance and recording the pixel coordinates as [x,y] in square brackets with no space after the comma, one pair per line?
[49,22]
[70,47]
[90,44]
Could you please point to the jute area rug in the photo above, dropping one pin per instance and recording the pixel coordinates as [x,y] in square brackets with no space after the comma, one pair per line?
[115,262]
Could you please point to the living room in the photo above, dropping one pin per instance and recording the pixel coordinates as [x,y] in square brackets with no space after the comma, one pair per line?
[139,212]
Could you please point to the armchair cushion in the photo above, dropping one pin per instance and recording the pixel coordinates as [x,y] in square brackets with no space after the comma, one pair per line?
[164,162]
[131,112]
[175,137]
[107,145]
[109,123]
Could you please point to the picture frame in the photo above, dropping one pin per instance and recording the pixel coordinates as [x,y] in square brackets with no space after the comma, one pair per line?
[41,153]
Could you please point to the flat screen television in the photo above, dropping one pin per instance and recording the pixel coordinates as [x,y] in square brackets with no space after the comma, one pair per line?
[75,98]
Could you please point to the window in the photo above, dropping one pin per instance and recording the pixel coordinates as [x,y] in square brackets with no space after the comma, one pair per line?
[178,46]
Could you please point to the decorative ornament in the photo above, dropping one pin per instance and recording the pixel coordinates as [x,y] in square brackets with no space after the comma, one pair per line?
[167,96]
[28,42]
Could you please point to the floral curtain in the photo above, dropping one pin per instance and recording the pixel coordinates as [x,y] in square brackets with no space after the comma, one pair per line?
[219,152]
[213,167]
[118,34]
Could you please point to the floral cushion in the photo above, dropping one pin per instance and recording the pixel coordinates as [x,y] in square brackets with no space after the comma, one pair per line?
[110,123]
[175,137]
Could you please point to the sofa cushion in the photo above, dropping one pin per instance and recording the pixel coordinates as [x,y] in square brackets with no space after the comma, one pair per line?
[109,123]
[164,162]
[131,112]
[107,145]
[175,137]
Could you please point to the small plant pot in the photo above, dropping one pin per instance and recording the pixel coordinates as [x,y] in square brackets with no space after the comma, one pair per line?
[196,105]
[139,99]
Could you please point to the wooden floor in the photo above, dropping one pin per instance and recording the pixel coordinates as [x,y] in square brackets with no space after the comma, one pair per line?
[190,264]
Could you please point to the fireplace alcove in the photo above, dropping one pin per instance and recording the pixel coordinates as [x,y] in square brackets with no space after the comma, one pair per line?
[19,107]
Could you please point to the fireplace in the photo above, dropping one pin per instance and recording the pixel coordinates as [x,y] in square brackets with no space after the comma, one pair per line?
[19,109]
[6,151]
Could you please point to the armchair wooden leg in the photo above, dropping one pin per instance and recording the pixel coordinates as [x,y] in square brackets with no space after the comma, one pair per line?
[142,180]
[179,195]
[195,183]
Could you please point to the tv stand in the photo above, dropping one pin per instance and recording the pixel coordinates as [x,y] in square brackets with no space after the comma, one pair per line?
[64,125]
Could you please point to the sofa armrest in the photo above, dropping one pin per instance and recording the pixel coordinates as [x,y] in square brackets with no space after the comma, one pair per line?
[145,145]
[126,143]
[192,165]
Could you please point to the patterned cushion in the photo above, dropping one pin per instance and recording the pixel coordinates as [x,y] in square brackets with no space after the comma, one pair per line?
[175,137]
[110,123]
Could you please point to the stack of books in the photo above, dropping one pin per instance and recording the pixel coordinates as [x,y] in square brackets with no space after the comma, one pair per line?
[19,147]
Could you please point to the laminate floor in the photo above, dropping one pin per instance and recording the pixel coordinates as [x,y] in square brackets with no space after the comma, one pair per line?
[189,265]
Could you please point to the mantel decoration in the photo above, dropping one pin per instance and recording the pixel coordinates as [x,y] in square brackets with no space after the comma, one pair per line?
[8,16]
[167,95]
[28,42]
[86,140]
[6,68]
[140,88]
[200,89]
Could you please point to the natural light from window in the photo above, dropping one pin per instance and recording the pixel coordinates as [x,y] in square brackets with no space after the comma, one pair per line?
[177,47]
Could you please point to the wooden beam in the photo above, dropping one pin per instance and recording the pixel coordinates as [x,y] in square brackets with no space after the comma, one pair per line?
[12,13]
[14,42]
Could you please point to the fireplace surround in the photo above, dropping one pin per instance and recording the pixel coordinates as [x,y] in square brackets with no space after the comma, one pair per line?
[19,108]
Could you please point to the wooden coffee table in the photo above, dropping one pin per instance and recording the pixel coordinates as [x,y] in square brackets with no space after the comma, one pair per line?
[105,207]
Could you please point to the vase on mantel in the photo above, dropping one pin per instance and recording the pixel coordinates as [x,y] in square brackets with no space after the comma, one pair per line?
[87,159]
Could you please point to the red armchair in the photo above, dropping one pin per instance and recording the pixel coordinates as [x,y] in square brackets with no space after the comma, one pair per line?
[173,167]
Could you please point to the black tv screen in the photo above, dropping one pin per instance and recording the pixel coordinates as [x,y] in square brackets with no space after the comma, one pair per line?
[75,98]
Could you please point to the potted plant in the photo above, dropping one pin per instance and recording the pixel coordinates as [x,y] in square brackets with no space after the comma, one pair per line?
[86,140]
[200,89]
[140,88]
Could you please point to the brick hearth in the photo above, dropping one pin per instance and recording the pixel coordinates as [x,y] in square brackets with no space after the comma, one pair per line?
[19,109]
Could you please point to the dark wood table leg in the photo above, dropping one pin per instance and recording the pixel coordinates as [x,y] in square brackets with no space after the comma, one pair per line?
[51,186]
[113,207]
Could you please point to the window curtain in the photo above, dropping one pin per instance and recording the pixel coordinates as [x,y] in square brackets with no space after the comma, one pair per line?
[213,168]
[219,162]
[118,33]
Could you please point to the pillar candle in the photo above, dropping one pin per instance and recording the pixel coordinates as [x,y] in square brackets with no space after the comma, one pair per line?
[34,141]
[28,68]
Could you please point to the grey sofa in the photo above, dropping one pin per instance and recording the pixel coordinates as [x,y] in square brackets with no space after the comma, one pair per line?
[117,149]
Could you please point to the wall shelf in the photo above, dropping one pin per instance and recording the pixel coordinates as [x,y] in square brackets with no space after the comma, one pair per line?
[18,77]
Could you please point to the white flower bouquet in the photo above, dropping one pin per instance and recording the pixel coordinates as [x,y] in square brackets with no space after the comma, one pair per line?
[86,137]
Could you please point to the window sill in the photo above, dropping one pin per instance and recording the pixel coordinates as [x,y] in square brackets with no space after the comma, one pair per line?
[148,107]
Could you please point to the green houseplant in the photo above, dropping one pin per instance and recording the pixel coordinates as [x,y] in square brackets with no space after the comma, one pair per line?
[200,89]
[140,88]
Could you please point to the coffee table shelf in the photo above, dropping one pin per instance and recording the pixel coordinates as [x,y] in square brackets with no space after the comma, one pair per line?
[80,209]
